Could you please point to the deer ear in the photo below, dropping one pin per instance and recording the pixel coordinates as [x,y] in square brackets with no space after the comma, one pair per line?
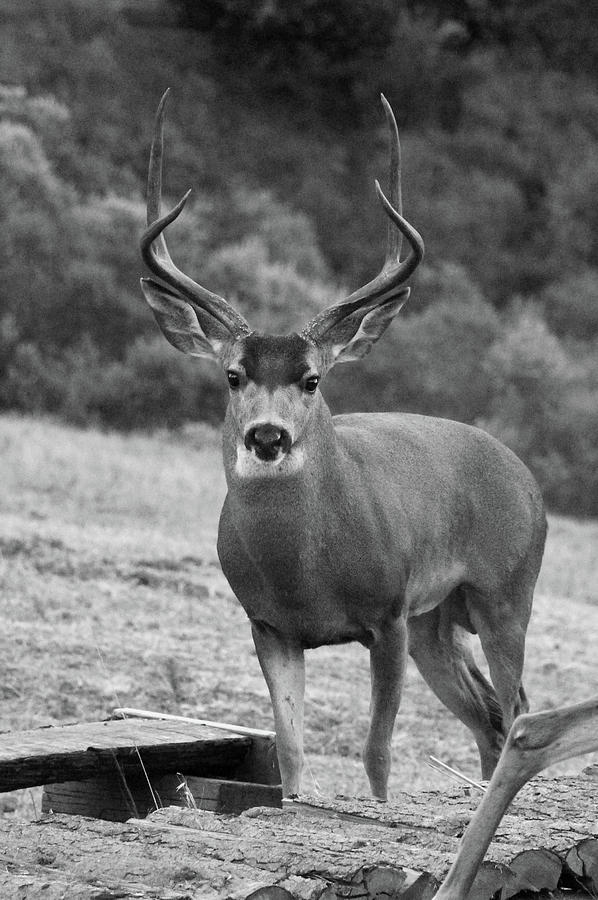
[354,336]
[180,322]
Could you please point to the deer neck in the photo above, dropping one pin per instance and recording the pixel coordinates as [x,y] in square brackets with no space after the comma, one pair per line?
[272,528]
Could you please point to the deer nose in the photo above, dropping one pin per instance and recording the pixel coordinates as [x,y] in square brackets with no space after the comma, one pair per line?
[268,441]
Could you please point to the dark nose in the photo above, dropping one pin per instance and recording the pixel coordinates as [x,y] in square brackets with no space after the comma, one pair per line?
[268,441]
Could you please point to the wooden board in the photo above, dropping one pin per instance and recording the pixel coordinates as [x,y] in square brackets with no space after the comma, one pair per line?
[321,850]
[117,799]
[81,751]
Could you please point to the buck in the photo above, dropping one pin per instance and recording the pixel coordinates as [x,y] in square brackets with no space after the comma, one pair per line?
[405,533]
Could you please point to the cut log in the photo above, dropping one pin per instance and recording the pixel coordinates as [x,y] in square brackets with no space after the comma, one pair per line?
[582,865]
[317,850]
[154,858]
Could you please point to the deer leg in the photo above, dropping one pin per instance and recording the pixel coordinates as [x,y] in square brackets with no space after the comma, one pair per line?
[283,666]
[534,742]
[388,654]
[501,623]
[441,651]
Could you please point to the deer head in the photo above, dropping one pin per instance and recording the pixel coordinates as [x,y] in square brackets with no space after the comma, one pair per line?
[273,379]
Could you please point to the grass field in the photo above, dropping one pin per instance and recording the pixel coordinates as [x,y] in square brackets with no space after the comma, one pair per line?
[112,595]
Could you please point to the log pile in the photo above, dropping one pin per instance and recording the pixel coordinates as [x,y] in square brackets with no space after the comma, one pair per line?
[312,850]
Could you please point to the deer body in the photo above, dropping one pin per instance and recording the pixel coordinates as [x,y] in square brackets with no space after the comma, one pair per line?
[403,532]
[333,553]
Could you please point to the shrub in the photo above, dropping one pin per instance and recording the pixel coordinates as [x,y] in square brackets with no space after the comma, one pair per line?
[155,386]
[545,407]
[570,304]
[431,362]
[287,235]
[271,294]
[32,383]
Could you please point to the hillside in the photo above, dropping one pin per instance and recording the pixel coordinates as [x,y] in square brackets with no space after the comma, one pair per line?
[275,122]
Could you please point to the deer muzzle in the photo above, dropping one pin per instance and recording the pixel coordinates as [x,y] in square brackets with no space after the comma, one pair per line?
[268,441]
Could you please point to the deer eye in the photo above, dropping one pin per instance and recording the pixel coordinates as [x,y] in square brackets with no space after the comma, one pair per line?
[311,384]
[233,380]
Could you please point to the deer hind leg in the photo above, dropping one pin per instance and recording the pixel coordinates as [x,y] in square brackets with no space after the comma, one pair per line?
[500,620]
[388,655]
[440,648]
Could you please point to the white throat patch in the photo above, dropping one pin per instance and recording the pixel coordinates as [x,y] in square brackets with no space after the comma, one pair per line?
[248,465]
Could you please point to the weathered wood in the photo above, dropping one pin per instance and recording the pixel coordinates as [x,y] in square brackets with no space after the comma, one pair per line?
[117,799]
[78,752]
[548,817]
[324,851]
[260,764]
[153,858]
[216,794]
[110,797]
[582,866]
[551,813]
[89,858]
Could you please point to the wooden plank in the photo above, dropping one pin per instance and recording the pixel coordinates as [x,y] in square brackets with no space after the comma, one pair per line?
[83,751]
[111,798]
[217,794]
[260,765]
[117,799]
[127,712]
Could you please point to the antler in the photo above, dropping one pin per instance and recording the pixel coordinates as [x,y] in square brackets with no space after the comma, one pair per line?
[394,272]
[535,741]
[153,243]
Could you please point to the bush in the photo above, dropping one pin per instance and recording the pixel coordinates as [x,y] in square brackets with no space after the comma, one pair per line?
[545,407]
[431,362]
[154,386]
[272,295]
[287,235]
[32,383]
[571,304]
[305,48]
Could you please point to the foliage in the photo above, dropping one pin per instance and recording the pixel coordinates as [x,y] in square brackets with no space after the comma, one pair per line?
[273,122]
[431,362]
[306,48]
[544,407]
[563,33]
[570,304]
[272,295]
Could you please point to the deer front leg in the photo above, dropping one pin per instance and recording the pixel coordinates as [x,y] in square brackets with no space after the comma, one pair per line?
[388,654]
[283,666]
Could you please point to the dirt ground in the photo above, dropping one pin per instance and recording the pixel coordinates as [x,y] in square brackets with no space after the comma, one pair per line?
[112,596]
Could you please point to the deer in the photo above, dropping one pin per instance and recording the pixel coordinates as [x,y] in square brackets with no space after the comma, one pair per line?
[405,533]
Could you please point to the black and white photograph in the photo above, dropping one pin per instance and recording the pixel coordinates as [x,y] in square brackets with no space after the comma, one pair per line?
[298,449]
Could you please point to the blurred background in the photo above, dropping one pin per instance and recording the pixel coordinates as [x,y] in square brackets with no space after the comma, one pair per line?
[275,122]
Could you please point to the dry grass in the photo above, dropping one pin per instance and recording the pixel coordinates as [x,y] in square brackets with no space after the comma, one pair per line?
[112,595]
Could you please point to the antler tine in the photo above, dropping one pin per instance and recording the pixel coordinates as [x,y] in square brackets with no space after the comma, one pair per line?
[154,174]
[153,243]
[394,238]
[394,272]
